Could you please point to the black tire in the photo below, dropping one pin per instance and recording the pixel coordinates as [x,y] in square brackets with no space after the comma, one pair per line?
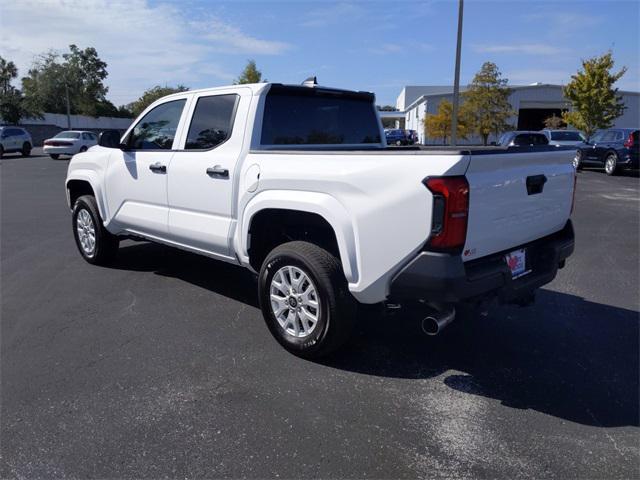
[55,156]
[577,161]
[611,158]
[26,149]
[83,149]
[337,307]
[106,244]
[1,151]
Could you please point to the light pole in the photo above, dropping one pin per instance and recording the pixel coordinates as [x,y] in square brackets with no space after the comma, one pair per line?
[456,80]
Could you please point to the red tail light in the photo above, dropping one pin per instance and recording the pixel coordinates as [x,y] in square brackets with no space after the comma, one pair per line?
[450,212]
[629,141]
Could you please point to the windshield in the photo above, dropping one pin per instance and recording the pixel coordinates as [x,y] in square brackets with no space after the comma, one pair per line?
[598,136]
[570,136]
[68,135]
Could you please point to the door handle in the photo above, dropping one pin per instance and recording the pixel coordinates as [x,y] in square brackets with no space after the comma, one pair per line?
[218,172]
[158,168]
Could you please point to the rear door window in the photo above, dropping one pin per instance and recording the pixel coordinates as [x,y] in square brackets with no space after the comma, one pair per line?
[212,122]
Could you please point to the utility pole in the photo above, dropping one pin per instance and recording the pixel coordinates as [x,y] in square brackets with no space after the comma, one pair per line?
[456,81]
[66,91]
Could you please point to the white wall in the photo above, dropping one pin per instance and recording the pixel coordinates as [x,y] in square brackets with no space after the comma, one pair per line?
[79,121]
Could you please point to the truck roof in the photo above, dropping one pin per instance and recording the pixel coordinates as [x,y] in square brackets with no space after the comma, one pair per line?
[257,88]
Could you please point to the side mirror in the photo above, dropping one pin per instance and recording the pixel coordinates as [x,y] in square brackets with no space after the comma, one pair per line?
[109,139]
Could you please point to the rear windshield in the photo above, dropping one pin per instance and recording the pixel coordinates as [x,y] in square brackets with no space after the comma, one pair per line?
[68,135]
[566,136]
[309,116]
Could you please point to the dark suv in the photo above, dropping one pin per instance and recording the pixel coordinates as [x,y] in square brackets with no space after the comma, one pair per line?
[614,149]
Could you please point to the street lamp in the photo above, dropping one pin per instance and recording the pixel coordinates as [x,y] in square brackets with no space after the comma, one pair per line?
[456,81]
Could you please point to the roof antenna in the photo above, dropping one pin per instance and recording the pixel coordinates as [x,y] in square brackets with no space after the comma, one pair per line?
[310,82]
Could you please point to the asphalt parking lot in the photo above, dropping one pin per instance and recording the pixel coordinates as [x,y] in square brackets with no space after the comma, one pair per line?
[161,366]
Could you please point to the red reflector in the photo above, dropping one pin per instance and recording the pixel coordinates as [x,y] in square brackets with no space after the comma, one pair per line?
[451,230]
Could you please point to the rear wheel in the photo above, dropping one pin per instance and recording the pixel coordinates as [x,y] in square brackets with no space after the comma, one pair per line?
[26,149]
[611,164]
[95,243]
[55,156]
[305,300]
[1,151]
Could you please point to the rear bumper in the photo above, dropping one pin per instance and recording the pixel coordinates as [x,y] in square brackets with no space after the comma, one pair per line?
[442,277]
[51,150]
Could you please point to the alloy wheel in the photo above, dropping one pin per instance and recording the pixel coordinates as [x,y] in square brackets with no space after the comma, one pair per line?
[86,232]
[294,301]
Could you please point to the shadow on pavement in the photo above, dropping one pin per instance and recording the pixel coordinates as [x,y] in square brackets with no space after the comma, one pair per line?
[565,356]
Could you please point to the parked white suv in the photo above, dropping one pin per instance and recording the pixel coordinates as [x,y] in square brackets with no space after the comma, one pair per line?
[15,140]
[69,142]
[296,184]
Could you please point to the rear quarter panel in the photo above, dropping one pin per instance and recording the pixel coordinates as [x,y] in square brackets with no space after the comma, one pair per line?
[377,204]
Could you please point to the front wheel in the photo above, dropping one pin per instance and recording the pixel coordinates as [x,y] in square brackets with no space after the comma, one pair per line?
[611,164]
[577,160]
[55,156]
[305,300]
[96,245]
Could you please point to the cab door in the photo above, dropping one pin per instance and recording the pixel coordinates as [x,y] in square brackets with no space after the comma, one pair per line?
[201,173]
[136,178]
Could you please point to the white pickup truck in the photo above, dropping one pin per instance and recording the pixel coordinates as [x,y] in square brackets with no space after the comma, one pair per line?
[296,183]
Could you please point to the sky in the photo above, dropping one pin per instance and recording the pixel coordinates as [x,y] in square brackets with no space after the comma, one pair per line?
[378,46]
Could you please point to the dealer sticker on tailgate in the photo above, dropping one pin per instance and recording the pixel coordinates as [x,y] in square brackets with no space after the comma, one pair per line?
[516,261]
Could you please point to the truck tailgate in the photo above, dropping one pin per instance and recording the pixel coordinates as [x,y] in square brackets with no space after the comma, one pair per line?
[515,198]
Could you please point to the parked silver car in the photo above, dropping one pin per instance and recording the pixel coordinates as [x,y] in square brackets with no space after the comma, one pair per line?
[69,143]
[15,140]
[563,137]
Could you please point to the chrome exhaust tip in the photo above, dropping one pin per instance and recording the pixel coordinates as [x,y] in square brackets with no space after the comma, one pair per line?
[434,324]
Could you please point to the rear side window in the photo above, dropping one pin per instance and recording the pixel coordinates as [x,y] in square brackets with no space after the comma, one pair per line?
[157,129]
[531,139]
[212,122]
[570,136]
[314,117]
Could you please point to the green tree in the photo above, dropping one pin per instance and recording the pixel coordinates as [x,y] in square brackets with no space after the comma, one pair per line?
[596,104]
[487,98]
[12,104]
[151,95]
[79,71]
[250,74]
[438,125]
